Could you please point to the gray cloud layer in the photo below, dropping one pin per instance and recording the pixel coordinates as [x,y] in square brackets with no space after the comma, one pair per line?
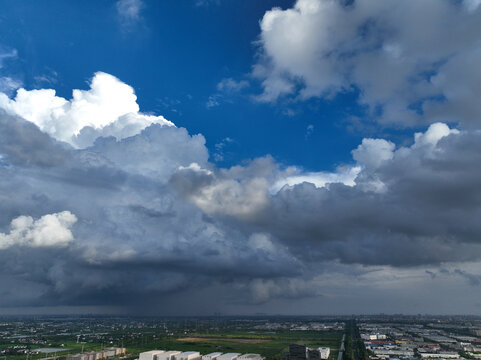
[155,219]
[415,205]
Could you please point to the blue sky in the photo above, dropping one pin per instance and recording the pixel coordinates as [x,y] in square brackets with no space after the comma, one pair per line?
[284,157]
[174,56]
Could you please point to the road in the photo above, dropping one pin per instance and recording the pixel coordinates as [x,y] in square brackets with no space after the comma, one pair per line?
[341,349]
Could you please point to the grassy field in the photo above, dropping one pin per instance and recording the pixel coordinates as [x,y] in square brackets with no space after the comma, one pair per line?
[70,348]
[272,346]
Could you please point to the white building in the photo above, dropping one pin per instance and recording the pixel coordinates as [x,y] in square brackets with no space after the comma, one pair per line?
[211,356]
[250,357]
[150,355]
[318,353]
[325,351]
[167,355]
[373,336]
[440,355]
[188,355]
[228,356]
[393,353]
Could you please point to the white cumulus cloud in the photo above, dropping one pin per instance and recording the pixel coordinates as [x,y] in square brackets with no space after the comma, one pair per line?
[343,175]
[51,230]
[373,152]
[413,62]
[108,108]
[433,134]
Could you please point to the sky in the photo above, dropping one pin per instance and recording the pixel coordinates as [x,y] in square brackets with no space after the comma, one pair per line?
[240,157]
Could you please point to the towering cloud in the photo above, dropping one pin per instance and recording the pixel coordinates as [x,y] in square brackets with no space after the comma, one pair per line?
[109,108]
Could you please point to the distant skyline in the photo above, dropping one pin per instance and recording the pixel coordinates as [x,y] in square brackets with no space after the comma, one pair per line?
[194,157]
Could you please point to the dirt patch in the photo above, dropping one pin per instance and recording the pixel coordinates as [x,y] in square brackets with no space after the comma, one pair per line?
[244,341]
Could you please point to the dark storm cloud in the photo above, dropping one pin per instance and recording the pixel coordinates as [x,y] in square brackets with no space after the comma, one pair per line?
[412,206]
[23,144]
[142,218]
[473,279]
[470,278]
[427,213]
[135,237]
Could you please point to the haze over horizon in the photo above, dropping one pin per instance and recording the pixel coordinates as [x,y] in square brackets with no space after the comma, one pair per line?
[239,157]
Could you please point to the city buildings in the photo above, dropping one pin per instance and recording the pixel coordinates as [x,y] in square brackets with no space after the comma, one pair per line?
[444,338]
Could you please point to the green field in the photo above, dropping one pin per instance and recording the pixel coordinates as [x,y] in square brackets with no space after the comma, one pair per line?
[272,346]
[216,334]
[72,348]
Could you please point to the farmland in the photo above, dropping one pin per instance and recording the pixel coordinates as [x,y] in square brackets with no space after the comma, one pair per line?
[269,337]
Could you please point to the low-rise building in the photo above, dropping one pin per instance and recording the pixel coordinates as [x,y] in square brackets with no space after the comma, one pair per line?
[211,356]
[443,355]
[250,357]
[325,352]
[150,355]
[104,354]
[77,357]
[393,352]
[167,355]
[228,356]
[318,353]
[188,355]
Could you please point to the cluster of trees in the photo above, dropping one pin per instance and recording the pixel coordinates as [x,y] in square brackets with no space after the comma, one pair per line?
[362,353]
[348,353]
[465,355]
[354,348]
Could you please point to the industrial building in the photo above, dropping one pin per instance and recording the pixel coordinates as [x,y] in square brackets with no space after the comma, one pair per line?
[250,357]
[373,336]
[211,356]
[168,355]
[150,355]
[97,355]
[444,355]
[188,355]
[228,356]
